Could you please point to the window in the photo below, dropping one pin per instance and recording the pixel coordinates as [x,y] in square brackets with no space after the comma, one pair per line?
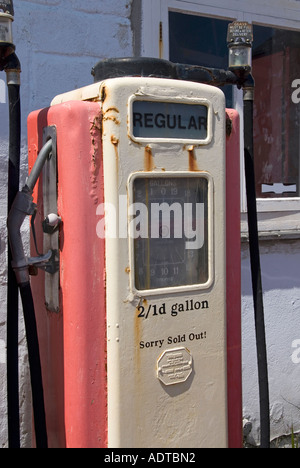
[276,64]
[191,32]
[199,41]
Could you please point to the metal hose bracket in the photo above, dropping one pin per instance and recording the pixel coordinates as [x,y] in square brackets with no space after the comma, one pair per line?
[23,206]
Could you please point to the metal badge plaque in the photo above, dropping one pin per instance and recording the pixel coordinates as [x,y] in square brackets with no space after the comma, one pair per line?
[174,366]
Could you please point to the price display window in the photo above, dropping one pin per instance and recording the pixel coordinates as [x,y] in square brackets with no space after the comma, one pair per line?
[171,231]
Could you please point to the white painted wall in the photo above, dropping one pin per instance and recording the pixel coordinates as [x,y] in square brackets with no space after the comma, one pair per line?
[281,284]
[58,42]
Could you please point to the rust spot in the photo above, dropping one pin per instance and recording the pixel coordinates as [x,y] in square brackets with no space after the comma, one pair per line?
[113,109]
[138,337]
[96,124]
[193,166]
[138,319]
[113,118]
[95,156]
[103,93]
[127,270]
[138,143]
[95,131]
[115,142]
[110,114]
[148,160]
[228,125]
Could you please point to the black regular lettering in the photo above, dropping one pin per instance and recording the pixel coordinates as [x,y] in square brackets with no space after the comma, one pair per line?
[172,124]
[170,121]
[202,123]
[160,121]
[193,123]
[148,120]
[137,119]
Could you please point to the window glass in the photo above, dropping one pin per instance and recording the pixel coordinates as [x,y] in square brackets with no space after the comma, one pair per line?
[276,68]
[276,64]
[199,41]
[169,120]
[170,231]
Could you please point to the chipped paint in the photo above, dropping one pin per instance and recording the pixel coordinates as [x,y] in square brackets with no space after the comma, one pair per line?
[115,142]
[228,125]
[96,146]
[111,117]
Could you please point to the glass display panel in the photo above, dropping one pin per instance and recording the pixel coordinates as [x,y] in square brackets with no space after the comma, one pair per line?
[169,120]
[170,231]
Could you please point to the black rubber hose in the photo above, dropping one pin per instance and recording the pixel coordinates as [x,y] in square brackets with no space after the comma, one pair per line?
[23,205]
[35,367]
[12,287]
[26,296]
[256,275]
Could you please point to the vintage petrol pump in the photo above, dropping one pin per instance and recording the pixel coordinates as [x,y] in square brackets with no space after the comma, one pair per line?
[139,304]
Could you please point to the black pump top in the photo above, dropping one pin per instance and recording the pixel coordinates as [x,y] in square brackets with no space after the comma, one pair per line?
[159,68]
[144,66]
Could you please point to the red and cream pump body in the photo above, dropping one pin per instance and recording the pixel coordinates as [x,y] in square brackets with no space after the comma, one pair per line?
[140,325]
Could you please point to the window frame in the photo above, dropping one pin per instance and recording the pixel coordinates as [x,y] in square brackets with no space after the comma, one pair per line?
[278,217]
